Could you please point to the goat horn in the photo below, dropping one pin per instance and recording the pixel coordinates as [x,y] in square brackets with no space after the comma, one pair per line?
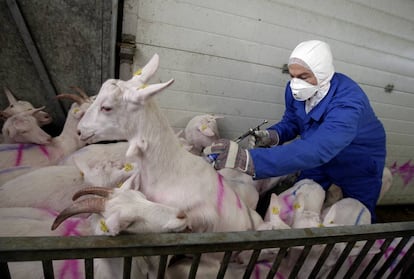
[75,98]
[32,111]
[10,97]
[81,92]
[99,191]
[90,205]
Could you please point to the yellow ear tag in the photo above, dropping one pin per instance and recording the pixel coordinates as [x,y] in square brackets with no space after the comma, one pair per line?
[203,127]
[82,174]
[119,185]
[143,86]
[75,110]
[128,167]
[138,72]
[296,206]
[275,210]
[103,226]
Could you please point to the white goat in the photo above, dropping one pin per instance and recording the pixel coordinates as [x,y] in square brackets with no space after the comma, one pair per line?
[23,128]
[47,187]
[313,198]
[168,173]
[202,131]
[13,155]
[50,186]
[36,222]
[15,107]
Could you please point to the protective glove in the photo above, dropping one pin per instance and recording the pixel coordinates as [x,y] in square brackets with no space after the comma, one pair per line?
[263,138]
[230,155]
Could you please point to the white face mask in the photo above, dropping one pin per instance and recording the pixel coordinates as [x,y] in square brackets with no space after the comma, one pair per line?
[302,90]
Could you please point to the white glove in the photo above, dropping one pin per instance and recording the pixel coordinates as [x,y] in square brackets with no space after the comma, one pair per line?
[263,138]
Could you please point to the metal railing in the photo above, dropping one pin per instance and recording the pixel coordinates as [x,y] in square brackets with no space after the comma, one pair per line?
[47,249]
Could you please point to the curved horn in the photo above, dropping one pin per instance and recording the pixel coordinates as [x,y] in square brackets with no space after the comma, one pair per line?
[81,92]
[90,205]
[72,97]
[9,95]
[33,111]
[93,190]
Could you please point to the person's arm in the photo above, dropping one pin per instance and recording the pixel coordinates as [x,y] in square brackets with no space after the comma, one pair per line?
[338,129]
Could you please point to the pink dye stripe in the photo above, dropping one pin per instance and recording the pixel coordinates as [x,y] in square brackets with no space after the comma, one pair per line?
[20,151]
[19,155]
[256,272]
[70,267]
[44,150]
[220,193]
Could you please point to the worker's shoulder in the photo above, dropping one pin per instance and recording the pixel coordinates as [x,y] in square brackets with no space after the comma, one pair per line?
[342,79]
[343,84]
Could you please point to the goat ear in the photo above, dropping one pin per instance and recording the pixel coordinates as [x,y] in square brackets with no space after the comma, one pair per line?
[218,116]
[143,75]
[329,218]
[21,125]
[206,130]
[299,203]
[274,208]
[140,95]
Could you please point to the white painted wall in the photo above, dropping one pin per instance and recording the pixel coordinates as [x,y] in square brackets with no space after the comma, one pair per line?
[226,58]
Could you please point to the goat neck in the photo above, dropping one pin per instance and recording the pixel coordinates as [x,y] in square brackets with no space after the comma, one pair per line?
[157,147]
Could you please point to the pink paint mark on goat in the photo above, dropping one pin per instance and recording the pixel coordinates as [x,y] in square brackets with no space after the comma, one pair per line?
[19,155]
[44,150]
[220,193]
[288,208]
[405,171]
[257,271]
[267,265]
[70,268]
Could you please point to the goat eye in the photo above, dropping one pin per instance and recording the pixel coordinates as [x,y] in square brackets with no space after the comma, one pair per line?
[104,108]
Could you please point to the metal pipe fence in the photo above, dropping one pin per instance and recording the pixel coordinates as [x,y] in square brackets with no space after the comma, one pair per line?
[398,260]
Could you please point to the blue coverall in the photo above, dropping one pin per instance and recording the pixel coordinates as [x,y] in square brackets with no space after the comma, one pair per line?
[341,142]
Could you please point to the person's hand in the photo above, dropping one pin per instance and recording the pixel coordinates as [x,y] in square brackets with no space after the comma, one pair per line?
[230,155]
[263,138]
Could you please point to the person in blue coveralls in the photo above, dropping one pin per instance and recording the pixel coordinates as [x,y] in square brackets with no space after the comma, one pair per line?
[329,132]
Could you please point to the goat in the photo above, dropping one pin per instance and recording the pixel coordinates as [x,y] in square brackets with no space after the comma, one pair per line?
[14,155]
[50,186]
[15,107]
[43,187]
[201,131]
[23,128]
[36,222]
[97,152]
[313,197]
[168,173]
